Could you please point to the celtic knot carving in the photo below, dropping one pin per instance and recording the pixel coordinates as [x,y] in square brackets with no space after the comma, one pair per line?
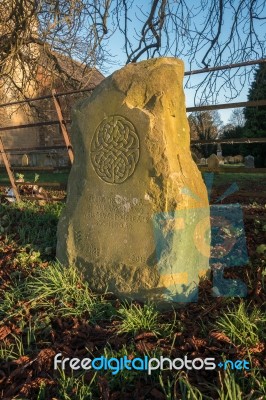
[115,149]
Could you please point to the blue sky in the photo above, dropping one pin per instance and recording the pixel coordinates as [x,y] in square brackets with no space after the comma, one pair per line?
[115,45]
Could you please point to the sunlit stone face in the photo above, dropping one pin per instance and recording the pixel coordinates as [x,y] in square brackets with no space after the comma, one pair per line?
[137,215]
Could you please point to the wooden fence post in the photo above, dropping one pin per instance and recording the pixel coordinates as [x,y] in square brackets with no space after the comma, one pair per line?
[9,172]
[63,127]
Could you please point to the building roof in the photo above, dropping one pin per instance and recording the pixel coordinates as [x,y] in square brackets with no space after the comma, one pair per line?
[69,73]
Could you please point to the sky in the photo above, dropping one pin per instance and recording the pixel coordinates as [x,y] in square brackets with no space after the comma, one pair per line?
[116,48]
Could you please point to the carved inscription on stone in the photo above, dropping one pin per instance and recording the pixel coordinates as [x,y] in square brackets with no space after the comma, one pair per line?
[117,211]
[115,149]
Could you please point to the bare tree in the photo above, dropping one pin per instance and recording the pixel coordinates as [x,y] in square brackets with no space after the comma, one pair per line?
[205,125]
[38,37]
[205,33]
[237,117]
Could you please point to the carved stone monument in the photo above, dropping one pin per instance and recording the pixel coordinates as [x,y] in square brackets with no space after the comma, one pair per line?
[137,218]
[249,162]
[213,162]
[219,150]
[25,160]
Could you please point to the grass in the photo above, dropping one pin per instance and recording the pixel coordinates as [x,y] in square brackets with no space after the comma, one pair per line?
[124,378]
[243,180]
[30,224]
[59,290]
[72,388]
[234,386]
[136,319]
[10,299]
[8,352]
[186,390]
[62,290]
[222,178]
[48,306]
[243,327]
[57,177]
[230,388]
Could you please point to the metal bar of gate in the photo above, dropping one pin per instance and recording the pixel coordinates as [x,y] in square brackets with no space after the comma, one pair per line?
[63,127]
[9,172]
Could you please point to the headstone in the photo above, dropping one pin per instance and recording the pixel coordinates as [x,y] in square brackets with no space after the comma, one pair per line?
[213,162]
[219,150]
[137,220]
[203,161]
[24,160]
[249,162]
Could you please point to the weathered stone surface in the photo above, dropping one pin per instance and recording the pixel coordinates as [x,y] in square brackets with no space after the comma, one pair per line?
[25,160]
[213,162]
[195,158]
[137,214]
[249,162]
[219,150]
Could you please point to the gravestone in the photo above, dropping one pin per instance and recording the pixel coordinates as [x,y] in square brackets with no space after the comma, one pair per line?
[24,160]
[249,162]
[203,161]
[137,220]
[213,162]
[219,150]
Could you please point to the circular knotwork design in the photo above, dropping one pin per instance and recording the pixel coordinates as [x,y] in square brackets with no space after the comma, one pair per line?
[115,149]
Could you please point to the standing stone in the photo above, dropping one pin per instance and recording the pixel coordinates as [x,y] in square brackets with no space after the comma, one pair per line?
[137,215]
[24,160]
[249,162]
[219,150]
[213,162]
